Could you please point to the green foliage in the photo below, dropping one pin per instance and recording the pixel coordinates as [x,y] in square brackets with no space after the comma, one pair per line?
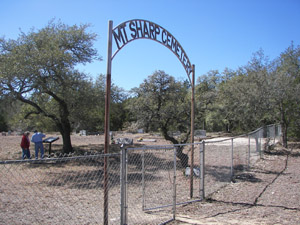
[286,91]
[161,104]
[38,69]
[206,93]
[259,93]
[118,111]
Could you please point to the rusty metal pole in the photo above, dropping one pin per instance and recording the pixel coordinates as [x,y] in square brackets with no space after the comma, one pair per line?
[106,125]
[192,132]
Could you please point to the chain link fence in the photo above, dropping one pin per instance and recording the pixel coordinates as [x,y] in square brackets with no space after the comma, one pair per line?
[155,181]
[227,157]
[59,190]
[145,185]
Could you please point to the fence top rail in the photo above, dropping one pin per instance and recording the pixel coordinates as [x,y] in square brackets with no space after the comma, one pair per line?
[272,125]
[217,141]
[225,139]
[59,159]
[255,131]
[267,126]
[171,146]
[163,147]
[239,136]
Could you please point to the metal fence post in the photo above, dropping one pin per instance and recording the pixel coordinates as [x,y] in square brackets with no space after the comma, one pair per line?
[174,186]
[202,172]
[259,137]
[249,151]
[260,148]
[123,180]
[274,126]
[143,178]
[126,187]
[122,183]
[231,166]
[106,120]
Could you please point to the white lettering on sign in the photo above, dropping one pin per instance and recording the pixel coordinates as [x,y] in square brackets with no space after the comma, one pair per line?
[137,29]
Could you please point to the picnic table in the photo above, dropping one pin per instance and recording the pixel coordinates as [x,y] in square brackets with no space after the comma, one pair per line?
[50,140]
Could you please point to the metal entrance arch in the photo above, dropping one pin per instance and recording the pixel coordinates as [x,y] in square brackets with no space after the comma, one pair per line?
[123,34]
[132,30]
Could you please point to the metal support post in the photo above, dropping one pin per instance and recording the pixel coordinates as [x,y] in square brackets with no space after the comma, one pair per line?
[192,132]
[258,145]
[174,186]
[231,167]
[126,188]
[202,170]
[123,180]
[249,148]
[106,125]
[143,179]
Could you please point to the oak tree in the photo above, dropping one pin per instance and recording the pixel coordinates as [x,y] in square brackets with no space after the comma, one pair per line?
[39,69]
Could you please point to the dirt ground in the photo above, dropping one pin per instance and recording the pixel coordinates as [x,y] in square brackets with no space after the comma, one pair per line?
[269,193]
[10,144]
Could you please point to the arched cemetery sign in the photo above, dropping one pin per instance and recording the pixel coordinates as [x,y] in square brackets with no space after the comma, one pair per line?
[123,34]
[143,29]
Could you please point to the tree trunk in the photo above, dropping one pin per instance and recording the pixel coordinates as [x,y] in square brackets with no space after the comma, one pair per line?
[184,158]
[64,127]
[66,135]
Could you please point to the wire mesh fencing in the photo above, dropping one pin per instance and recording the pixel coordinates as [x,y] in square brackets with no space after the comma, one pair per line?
[150,179]
[260,140]
[218,161]
[156,181]
[145,184]
[59,191]
[227,157]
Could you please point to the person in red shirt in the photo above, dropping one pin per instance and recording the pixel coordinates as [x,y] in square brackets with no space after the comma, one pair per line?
[25,143]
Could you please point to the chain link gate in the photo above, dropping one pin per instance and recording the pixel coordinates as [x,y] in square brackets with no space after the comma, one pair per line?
[153,182]
[146,172]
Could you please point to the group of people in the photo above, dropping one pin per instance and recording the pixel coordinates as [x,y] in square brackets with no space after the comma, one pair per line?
[37,139]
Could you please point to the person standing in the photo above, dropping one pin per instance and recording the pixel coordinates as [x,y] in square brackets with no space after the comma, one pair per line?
[37,139]
[25,143]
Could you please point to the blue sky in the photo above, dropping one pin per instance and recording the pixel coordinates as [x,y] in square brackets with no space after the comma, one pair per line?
[215,34]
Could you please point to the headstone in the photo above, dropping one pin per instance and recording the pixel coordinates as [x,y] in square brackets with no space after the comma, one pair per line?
[149,140]
[141,131]
[125,141]
[200,133]
[83,133]
[174,133]
[196,171]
